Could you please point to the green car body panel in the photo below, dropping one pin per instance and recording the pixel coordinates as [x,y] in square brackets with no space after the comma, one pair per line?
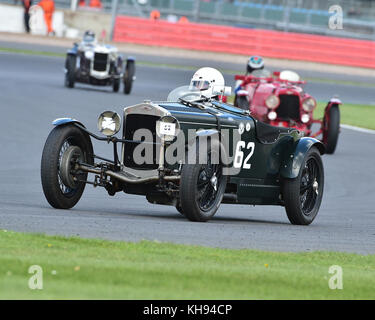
[270,162]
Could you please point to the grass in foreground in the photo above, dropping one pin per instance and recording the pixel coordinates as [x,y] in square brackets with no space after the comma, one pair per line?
[76,268]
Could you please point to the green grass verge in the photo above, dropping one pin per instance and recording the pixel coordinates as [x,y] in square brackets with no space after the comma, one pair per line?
[184,67]
[75,268]
[352,114]
[32,52]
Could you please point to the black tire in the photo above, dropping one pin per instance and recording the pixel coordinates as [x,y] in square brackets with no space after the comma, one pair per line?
[58,142]
[196,185]
[243,103]
[70,65]
[303,195]
[179,209]
[128,76]
[332,129]
[116,85]
[235,101]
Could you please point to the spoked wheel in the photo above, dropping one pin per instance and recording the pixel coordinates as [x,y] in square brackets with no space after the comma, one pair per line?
[202,188]
[303,195]
[331,129]
[62,184]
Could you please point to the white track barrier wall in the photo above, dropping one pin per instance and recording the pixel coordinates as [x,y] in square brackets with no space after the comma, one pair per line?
[11,20]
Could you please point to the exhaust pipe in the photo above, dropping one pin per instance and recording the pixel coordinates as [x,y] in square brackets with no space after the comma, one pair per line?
[125,179]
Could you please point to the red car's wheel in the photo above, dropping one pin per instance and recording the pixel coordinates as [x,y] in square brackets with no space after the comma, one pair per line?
[331,129]
[243,103]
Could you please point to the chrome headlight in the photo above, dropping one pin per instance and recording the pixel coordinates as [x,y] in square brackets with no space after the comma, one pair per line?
[167,128]
[309,104]
[272,101]
[109,123]
[89,55]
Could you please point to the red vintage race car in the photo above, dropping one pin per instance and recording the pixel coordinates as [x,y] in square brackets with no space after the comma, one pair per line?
[279,99]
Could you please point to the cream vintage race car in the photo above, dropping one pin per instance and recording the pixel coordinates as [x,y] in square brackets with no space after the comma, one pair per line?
[98,64]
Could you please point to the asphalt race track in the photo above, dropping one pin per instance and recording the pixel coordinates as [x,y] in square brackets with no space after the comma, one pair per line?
[32,95]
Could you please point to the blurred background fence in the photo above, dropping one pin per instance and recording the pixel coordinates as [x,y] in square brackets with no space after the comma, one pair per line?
[227,39]
[307,16]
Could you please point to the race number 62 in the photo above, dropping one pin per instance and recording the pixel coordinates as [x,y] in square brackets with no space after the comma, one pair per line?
[239,155]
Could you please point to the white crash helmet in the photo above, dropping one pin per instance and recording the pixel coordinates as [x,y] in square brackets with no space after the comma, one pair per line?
[206,80]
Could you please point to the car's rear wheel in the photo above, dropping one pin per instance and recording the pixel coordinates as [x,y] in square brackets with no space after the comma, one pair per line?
[202,187]
[65,146]
[129,76]
[331,129]
[70,66]
[303,195]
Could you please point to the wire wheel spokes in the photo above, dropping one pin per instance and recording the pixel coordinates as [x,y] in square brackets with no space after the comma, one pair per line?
[64,189]
[309,188]
[208,184]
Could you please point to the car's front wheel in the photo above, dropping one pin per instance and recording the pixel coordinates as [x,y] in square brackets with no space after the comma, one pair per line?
[179,208]
[129,76]
[116,85]
[70,66]
[65,146]
[332,129]
[202,188]
[303,195]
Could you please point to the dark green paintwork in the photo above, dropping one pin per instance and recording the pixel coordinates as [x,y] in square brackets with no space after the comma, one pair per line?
[270,162]
[290,167]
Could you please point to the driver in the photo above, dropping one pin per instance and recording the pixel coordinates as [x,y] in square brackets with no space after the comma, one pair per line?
[254,63]
[207,81]
[88,38]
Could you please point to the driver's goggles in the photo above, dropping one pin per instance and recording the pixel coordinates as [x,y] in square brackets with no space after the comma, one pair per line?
[199,85]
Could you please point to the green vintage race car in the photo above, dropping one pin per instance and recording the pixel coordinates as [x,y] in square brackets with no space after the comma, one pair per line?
[190,152]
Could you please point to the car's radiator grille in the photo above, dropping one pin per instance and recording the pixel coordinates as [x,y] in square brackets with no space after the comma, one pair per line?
[100,61]
[132,124]
[289,107]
